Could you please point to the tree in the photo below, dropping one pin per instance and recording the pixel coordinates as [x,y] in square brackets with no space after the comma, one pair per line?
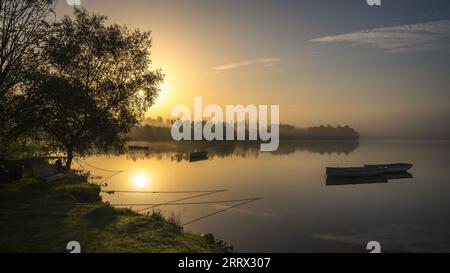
[95,85]
[23,24]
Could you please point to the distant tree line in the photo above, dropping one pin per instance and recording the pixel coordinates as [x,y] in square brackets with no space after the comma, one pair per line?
[287,132]
[318,133]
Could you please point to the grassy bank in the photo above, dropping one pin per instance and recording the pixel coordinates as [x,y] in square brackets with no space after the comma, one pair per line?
[36,216]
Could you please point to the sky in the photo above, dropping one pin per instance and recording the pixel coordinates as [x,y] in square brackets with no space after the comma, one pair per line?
[383,70]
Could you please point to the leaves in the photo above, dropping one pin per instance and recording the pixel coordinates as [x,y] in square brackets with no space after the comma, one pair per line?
[88,86]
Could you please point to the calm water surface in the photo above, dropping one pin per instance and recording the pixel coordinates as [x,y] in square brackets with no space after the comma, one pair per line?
[298,211]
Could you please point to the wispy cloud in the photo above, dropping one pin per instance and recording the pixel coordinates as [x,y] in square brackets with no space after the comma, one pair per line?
[260,61]
[421,37]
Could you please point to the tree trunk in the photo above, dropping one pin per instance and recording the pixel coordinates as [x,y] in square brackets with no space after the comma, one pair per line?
[69,157]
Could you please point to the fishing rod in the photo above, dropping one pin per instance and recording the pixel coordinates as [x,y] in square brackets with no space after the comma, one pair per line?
[97,168]
[179,200]
[187,203]
[220,211]
[158,192]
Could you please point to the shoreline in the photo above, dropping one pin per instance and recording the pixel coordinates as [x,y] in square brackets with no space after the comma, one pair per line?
[42,217]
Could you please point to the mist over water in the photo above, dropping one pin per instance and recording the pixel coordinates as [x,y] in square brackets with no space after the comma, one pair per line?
[298,211]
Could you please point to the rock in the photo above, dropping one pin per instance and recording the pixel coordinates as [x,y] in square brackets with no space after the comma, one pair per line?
[229,248]
[221,244]
[209,238]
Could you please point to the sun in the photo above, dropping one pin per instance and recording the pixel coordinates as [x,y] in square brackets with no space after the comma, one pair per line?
[163,87]
[141,180]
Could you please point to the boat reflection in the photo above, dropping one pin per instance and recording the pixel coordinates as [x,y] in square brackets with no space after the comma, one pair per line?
[386,178]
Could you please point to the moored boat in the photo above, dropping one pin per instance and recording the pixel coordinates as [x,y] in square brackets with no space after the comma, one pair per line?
[370,170]
[392,168]
[197,156]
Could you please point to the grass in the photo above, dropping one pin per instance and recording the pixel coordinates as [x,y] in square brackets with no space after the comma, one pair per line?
[36,216]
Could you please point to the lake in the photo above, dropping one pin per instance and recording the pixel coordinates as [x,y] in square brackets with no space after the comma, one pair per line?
[298,210]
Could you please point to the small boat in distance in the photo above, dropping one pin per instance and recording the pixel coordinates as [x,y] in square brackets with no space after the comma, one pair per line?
[392,168]
[198,156]
[138,148]
[369,170]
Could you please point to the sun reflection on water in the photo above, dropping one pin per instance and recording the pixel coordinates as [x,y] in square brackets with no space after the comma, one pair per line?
[141,180]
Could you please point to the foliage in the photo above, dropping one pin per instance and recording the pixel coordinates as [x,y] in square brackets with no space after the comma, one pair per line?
[95,85]
[23,25]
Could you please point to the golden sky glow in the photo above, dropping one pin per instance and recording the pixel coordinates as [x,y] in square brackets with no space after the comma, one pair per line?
[235,52]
